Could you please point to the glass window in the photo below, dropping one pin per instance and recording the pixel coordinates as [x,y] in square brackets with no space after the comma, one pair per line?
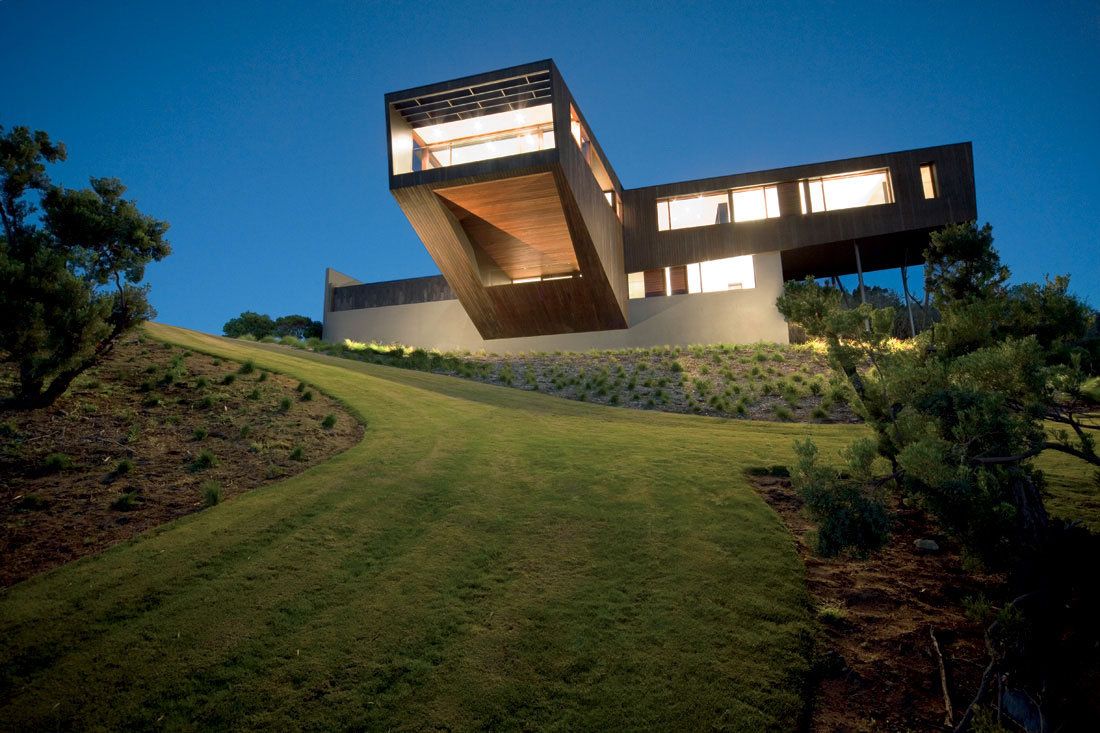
[482,138]
[771,196]
[928,180]
[662,216]
[731,273]
[817,196]
[695,282]
[749,205]
[698,211]
[635,282]
[847,192]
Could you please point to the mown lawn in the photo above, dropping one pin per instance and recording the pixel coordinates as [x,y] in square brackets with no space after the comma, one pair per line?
[486,557]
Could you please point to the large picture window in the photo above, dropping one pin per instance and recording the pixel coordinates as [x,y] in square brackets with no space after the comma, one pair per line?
[747,204]
[483,138]
[713,276]
[848,191]
[828,193]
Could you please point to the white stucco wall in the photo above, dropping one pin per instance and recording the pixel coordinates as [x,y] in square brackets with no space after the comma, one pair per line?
[735,316]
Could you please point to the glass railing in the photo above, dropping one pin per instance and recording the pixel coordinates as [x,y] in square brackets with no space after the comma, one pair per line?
[483,147]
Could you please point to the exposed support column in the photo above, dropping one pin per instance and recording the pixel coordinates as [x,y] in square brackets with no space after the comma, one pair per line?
[862,291]
[859,269]
[905,289]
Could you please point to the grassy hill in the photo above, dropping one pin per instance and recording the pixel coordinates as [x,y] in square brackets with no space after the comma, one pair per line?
[486,557]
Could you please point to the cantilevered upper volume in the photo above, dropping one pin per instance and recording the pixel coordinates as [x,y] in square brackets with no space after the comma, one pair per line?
[504,183]
[540,247]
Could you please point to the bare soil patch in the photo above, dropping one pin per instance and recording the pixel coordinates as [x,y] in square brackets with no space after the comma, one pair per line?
[877,668]
[149,435]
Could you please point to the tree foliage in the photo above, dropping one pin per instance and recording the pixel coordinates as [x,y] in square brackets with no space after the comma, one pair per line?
[69,289]
[260,325]
[249,322]
[960,415]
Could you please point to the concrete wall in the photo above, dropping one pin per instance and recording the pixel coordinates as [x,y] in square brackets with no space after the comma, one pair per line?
[735,316]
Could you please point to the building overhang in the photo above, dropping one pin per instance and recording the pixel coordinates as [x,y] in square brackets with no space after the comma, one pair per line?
[521,218]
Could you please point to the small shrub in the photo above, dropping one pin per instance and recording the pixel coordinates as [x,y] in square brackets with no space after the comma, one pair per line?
[211,493]
[206,459]
[126,502]
[207,402]
[246,337]
[245,431]
[262,377]
[307,396]
[819,413]
[229,379]
[297,454]
[133,434]
[145,386]
[124,467]
[56,462]
[201,383]
[329,421]
[247,368]
[284,404]
[200,433]
[301,387]
[32,503]
[253,395]
[979,609]
[217,362]
[832,612]
[849,515]
[151,369]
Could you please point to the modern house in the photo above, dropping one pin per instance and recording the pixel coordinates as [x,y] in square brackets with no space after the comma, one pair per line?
[541,248]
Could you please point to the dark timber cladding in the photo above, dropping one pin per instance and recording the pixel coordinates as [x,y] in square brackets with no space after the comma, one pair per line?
[514,199]
[394,292]
[537,216]
[820,243]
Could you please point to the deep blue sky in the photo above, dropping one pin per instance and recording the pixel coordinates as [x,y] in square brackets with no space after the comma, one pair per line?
[256,128]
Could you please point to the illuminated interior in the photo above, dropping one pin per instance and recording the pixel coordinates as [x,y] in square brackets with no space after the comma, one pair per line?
[599,170]
[483,138]
[713,276]
[747,204]
[846,191]
[928,180]
[697,211]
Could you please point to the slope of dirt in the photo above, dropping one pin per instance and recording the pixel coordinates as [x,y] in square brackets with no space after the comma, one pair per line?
[878,669]
[151,434]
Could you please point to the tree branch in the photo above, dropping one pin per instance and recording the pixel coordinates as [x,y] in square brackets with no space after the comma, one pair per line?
[1036,450]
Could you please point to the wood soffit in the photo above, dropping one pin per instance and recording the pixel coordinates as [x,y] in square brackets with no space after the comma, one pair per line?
[519,222]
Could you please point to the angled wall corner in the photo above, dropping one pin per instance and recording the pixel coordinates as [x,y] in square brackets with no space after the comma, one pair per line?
[517,252]
[489,171]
